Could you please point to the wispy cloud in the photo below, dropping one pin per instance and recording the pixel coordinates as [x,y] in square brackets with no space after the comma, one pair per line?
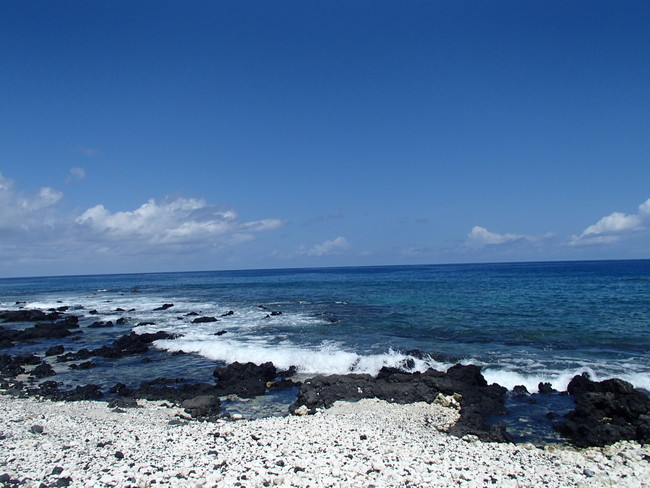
[75,175]
[614,227]
[20,211]
[88,151]
[334,246]
[480,236]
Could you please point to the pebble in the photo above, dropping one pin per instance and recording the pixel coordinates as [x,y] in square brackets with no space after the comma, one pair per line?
[368,443]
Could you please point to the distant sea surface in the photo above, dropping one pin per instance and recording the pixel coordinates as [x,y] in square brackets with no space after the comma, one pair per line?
[524,323]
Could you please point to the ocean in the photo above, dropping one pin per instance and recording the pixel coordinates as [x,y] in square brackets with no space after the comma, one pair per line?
[524,323]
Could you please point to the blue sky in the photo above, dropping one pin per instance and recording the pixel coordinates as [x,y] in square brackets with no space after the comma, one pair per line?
[164,136]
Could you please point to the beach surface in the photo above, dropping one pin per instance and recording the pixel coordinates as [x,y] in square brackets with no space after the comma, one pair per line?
[362,444]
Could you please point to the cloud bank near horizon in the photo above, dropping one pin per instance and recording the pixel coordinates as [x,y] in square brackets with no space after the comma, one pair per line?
[333,246]
[610,229]
[177,221]
[35,226]
[481,236]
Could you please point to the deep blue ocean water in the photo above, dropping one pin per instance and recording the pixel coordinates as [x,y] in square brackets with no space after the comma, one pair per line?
[522,322]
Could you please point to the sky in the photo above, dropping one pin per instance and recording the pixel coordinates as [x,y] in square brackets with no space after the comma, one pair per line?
[141,136]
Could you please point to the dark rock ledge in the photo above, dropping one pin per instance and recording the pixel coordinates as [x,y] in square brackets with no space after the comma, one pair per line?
[606,412]
[478,399]
[47,326]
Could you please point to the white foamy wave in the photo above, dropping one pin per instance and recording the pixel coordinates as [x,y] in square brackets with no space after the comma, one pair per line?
[510,379]
[558,380]
[638,380]
[327,358]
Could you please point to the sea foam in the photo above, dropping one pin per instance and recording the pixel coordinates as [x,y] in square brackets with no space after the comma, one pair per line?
[327,358]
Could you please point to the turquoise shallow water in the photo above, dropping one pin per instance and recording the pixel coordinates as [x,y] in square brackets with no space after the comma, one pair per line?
[523,322]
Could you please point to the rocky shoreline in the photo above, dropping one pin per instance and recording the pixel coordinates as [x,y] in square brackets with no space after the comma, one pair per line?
[605,413]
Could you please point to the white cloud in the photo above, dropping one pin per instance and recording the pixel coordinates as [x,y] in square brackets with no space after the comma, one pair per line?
[614,227]
[481,236]
[35,228]
[175,221]
[333,246]
[76,174]
[20,211]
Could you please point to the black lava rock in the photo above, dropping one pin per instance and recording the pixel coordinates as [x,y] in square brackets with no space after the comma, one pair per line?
[83,366]
[204,406]
[520,391]
[606,412]
[55,350]
[64,481]
[245,380]
[9,367]
[87,392]
[546,388]
[479,400]
[27,316]
[100,324]
[201,320]
[43,370]
[131,344]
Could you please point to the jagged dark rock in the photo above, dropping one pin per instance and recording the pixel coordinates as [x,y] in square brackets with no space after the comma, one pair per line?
[391,384]
[201,400]
[125,345]
[47,389]
[80,355]
[43,370]
[39,331]
[244,379]
[28,316]
[546,388]
[131,344]
[164,307]
[520,391]
[55,350]
[69,321]
[100,324]
[86,392]
[27,359]
[83,366]
[606,412]
[201,320]
[9,368]
[202,406]
[45,326]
